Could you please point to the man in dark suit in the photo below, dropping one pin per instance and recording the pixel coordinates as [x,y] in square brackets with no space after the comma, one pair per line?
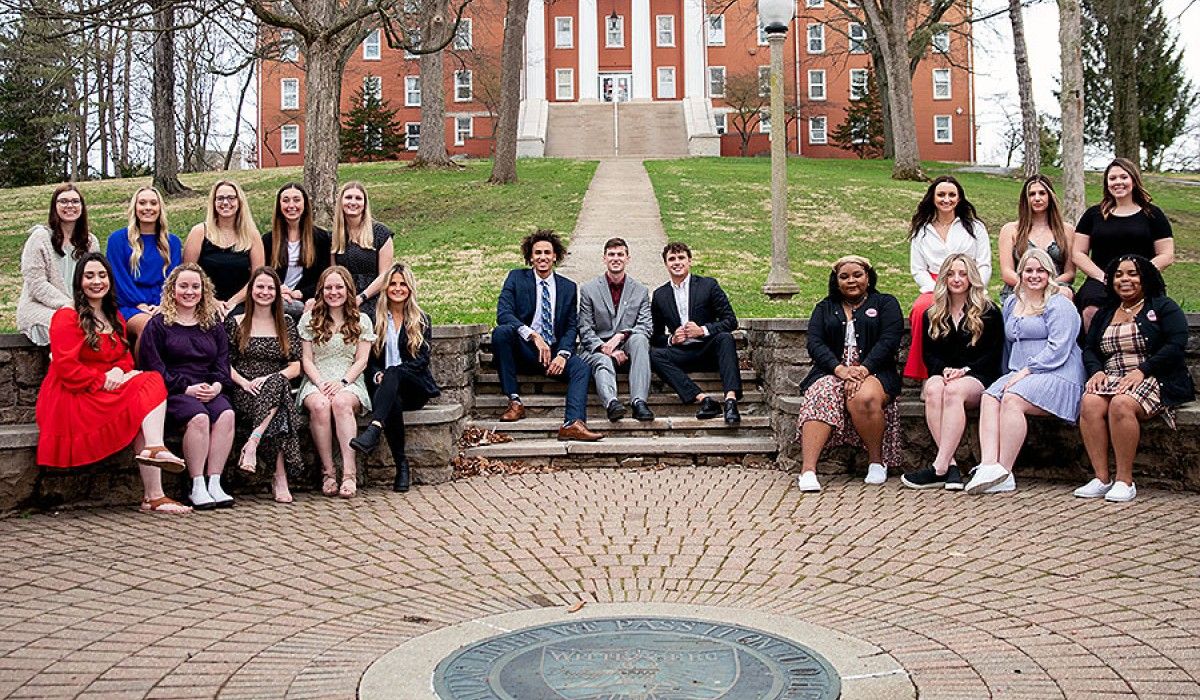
[693,331]
[535,331]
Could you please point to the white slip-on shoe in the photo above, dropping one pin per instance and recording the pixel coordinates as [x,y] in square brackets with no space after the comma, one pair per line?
[1121,492]
[1009,484]
[876,474]
[807,481]
[1093,489]
[986,476]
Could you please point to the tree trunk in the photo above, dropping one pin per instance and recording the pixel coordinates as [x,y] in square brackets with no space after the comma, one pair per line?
[126,98]
[881,83]
[1029,115]
[237,118]
[322,119]
[432,149]
[888,22]
[1122,66]
[1071,101]
[166,159]
[504,167]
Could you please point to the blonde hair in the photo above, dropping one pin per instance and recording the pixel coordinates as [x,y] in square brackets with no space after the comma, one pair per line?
[133,232]
[1025,305]
[363,235]
[243,222]
[321,323]
[414,318]
[977,300]
[206,310]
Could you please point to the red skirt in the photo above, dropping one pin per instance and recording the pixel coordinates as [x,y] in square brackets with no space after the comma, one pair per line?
[82,427]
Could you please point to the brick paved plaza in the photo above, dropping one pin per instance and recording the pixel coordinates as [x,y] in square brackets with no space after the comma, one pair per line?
[1033,594]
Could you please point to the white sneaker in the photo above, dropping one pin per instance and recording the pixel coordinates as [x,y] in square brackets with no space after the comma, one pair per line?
[807,481]
[1009,484]
[1120,492]
[200,498]
[1093,489]
[876,474]
[986,476]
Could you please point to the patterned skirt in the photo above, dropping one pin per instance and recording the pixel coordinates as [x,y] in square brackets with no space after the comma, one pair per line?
[1125,348]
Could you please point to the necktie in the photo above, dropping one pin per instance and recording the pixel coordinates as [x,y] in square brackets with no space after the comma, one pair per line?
[546,322]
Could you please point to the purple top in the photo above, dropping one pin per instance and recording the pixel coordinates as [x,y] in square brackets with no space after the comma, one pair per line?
[185,355]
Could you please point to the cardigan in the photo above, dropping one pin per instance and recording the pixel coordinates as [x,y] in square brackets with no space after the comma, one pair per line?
[43,289]
[878,325]
[954,350]
[1165,329]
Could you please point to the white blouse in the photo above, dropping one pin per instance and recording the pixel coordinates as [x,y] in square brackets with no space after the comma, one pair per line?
[929,251]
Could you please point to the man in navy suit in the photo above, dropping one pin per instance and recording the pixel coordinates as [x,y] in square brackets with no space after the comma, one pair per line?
[536,320]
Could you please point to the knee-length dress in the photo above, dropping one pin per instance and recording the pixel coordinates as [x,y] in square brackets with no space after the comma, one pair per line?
[187,355]
[334,357]
[1125,347]
[264,356]
[1045,344]
[79,422]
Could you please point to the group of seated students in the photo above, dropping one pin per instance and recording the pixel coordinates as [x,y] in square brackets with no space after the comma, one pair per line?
[220,334]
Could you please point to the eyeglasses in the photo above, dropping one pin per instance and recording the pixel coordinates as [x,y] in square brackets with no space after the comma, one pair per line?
[69,202]
[225,198]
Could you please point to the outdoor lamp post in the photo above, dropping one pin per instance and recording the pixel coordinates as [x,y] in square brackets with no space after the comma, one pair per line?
[775,16]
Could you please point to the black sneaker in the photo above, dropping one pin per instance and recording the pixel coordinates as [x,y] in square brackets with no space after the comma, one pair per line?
[926,478]
[708,409]
[615,410]
[954,480]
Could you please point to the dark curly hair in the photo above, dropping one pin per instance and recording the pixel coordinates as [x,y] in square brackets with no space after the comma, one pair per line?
[835,292]
[543,234]
[1153,284]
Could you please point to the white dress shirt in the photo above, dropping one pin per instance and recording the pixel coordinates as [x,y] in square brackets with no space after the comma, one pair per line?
[929,251]
[526,331]
[681,292]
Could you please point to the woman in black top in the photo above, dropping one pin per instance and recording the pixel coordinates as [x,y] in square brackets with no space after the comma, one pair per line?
[963,343]
[1134,356]
[399,369]
[1124,222]
[298,250]
[849,396]
[226,246]
[361,245]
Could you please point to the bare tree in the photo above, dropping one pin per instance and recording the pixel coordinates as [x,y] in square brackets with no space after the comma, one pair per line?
[1121,48]
[166,157]
[748,99]
[1071,102]
[504,165]
[1029,115]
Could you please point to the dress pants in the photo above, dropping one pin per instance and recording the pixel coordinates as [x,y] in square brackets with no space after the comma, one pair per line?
[511,355]
[719,352]
[604,370]
[394,395]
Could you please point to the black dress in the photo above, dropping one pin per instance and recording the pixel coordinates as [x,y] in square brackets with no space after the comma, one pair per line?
[264,356]
[363,263]
[228,269]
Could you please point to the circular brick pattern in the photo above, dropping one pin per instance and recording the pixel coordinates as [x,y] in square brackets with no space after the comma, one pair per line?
[1032,594]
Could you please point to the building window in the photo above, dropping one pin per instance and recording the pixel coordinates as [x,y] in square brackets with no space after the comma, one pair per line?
[762,32]
[373,87]
[371,46]
[665,24]
[716,30]
[816,38]
[719,123]
[941,83]
[816,130]
[858,83]
[814,3]
[564,32]
[614,32]
[943,132]
[463,90]
[666,83]
[289,93]
[414,40]
[288,50]
[289,138]
[764,81]
[764,123]
[564,84]
[816,85]
[412,136]
[858,38]
[462,36]
[941,41]
[412,91]
[716,81]
[464,128]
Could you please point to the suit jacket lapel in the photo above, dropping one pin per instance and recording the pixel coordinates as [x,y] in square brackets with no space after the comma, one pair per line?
[693,299]
[606,294]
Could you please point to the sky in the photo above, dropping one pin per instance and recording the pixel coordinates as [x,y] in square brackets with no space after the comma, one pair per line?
[995,76]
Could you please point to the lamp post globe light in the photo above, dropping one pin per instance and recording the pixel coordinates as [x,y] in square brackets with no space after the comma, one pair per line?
[775,16]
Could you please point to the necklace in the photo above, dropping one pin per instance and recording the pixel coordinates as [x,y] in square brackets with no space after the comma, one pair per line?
[1131,310]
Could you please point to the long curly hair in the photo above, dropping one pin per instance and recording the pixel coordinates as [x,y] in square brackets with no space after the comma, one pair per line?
[977,305]
[277,315]
[133,232]
[414,318]
[206,310]
[88,321]
[243,222]
[79,234]
[364,234]
[1153,284]
[927,209]
[277,256]
[1140,196]
[1025,301]
[1053,217]
[322,324]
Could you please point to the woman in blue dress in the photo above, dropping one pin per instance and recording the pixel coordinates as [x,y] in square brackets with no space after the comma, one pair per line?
[142,255]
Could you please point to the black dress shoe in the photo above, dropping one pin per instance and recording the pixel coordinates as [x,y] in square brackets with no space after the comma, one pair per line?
[615,410]
[642,412]
[367,442]
[403,476]
[708,409]
[732,417]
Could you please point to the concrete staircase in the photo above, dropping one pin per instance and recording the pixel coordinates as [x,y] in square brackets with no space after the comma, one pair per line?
[647,129]
[675,437]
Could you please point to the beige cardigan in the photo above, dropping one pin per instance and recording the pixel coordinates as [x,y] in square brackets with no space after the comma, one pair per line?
[43,290]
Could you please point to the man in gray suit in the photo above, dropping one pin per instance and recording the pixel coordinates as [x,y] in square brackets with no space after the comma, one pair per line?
[614,329]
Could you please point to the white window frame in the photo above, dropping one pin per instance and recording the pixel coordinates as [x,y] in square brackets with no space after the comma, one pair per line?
[410,133]
[562,24]
[288,50]
[664,30]
[941,84]
[949,128]
[713,72]
[564,91]
[617,27]
[377,83]
[764,81]
[815,38]
[371,47]
[459,86]
[940,42]
[414,37]
[814,3]
[764,122]
[412,91]
[289,93]
[289,134]
[463,36]
[665,75]
[823,130]
[720,123]
[817,90]
[859,78]
[716,30]
[856,35]
[461,135]
[762,31]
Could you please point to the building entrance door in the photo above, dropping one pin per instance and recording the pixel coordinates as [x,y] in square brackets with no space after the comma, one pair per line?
[614,87]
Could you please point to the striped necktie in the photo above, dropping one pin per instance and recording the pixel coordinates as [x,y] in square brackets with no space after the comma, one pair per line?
[546,322]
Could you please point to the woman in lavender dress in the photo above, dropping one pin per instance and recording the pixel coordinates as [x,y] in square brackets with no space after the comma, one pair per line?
[1045,376]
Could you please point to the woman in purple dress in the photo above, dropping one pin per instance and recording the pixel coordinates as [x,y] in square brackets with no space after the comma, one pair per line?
[1045,372]
[186,343]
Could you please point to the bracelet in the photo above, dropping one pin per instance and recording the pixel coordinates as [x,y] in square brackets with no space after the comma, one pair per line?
[345,382]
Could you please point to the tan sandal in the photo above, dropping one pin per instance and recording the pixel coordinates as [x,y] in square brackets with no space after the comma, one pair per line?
[329,485]
[349,487]
[284,496]
[159,456]
[164,504]
[249,463]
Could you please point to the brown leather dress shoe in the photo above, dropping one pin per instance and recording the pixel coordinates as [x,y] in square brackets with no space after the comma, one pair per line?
[578,430]
[516,411]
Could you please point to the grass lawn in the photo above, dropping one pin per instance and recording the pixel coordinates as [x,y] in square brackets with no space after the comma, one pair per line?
[459,233]
[721,208]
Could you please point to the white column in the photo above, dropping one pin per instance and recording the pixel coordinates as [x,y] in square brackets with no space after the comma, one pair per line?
[535,52]
[694,39]
[589,53]
[639,45]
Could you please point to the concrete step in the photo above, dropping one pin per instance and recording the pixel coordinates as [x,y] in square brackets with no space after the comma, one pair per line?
[664,404]
[652,129]
[487,383]
[614,451]
[672,426]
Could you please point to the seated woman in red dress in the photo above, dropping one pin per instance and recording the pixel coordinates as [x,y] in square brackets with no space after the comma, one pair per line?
[93,402]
